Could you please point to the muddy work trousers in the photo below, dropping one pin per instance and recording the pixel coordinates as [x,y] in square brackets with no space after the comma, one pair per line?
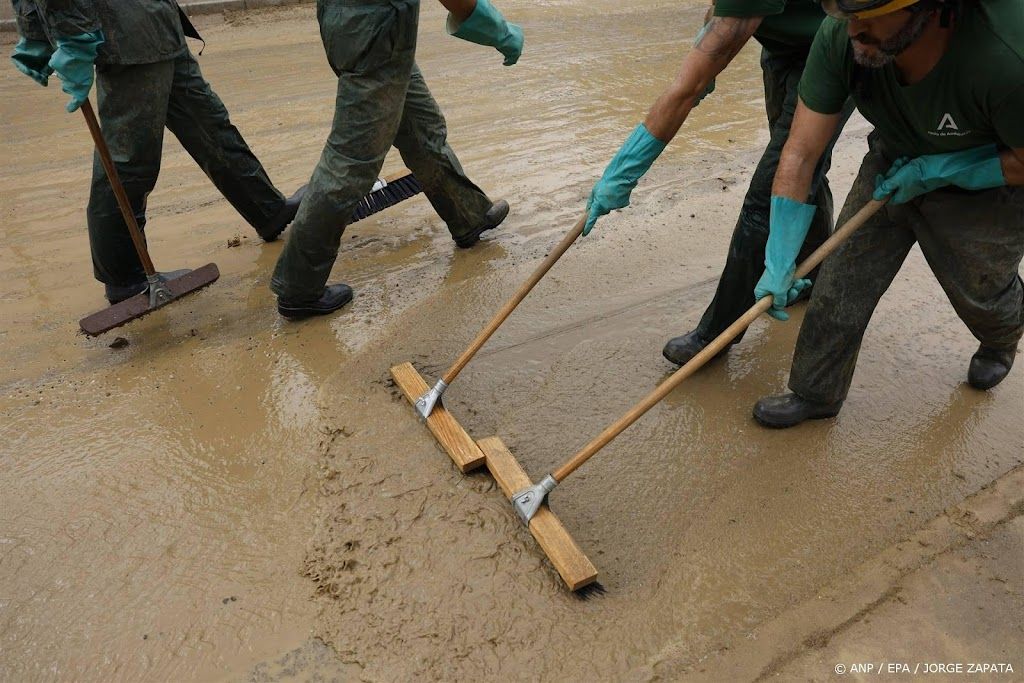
[136,102]
[745,261]
[382,100]
[973,243]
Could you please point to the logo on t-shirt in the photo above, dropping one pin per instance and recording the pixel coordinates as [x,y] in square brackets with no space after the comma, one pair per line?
[948,127]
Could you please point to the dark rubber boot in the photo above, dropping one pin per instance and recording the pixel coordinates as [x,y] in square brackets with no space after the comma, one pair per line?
[492,219]
[680,350]
[286,215]
[989,367]
[333,298]
[118,293]
[789,410]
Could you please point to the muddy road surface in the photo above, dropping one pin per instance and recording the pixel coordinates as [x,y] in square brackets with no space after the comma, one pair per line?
[230,496]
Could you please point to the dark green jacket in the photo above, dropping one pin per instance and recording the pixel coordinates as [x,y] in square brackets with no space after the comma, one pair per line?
[136,31]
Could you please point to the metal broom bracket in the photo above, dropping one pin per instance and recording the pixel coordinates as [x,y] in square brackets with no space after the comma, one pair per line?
[529,500]
[159,294]
[425,404]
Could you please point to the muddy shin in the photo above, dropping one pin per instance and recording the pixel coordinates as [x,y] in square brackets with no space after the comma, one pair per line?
[159,291]
[528,500]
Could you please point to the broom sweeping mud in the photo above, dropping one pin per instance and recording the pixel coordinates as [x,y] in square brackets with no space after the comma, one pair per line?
[529,501]
[463,451]
[386,192]
[575,569]
[159,291]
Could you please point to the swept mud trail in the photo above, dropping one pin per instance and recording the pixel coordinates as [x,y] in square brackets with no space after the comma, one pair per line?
[163,502]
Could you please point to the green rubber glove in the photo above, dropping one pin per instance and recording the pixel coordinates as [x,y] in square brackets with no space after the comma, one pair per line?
[625,169]
[978,168]
[32,58]
[74,62]
[790,223]
[486,26]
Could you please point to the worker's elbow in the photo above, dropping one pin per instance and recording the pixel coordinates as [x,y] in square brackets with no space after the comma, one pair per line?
[686,94]
[797,156]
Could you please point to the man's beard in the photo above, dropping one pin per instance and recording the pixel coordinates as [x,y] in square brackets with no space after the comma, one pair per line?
[890,48]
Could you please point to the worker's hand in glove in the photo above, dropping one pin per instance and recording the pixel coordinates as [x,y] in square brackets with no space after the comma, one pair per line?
[486,26]
[625,169]
[32,58]
[978,168]
[74,62]
[790,222]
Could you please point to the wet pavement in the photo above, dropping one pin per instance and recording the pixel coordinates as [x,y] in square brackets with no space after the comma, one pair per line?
[203,502]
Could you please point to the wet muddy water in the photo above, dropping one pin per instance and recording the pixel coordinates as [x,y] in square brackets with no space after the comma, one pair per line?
[202,502]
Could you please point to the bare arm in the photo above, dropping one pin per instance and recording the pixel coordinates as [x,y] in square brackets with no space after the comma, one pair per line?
[1013,165]
[721,42]
[808,138]
[459,9]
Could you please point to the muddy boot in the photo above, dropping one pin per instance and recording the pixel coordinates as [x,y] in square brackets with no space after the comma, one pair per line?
[333,298]
[989,366]
[118,293]
[273,230]
[789,410]
[680,350]
[492,219]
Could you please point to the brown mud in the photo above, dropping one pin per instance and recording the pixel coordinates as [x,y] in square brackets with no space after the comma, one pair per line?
[163,501]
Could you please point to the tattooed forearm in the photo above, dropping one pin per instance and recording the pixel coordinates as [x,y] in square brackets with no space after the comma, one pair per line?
[724,37]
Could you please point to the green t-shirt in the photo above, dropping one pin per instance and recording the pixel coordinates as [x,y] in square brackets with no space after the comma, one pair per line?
[788,25]
[974,96]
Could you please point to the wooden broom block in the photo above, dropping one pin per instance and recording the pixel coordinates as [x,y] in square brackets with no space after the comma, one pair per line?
[459,445]
[573,566]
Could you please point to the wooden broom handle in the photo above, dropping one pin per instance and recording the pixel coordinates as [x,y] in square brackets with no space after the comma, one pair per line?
[712,349]
[115,183]
[516,299]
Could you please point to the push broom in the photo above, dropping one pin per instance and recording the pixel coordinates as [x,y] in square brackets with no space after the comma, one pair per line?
[159,291]
[530,500]
[427,401]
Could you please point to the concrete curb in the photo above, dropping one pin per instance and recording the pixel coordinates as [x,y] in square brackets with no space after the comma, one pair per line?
[812,624]
[198,7]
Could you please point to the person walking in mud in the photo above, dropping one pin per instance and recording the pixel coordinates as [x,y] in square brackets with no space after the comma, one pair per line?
[785,30]
[382,101]
[146,80]
[941,80]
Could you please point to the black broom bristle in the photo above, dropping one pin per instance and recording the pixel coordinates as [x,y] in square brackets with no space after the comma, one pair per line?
[394,192]
[591,590]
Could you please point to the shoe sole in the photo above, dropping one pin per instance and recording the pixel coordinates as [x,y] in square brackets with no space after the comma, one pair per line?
[300,312]
[467,241]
